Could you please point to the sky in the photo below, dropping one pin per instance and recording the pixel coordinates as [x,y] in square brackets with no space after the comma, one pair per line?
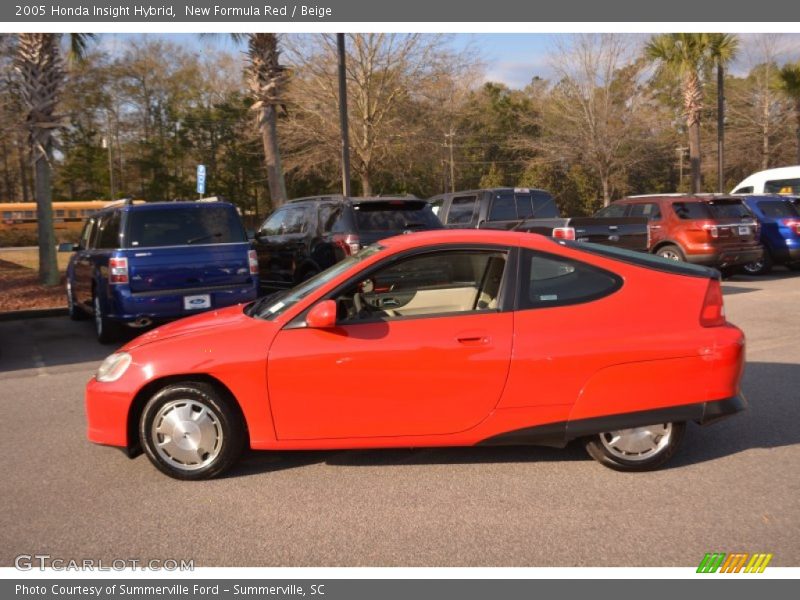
[509,58]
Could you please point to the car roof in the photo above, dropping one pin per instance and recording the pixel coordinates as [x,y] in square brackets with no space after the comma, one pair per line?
[144,206]
[433,237]
[357,199]
[701,197]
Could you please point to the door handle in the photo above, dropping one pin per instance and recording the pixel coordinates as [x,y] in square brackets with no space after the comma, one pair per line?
[473,340]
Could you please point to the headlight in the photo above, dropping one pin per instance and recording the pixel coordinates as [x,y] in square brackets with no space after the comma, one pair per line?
[113,367]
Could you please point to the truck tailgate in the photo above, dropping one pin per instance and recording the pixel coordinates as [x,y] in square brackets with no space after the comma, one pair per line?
[623,232]
[187,267]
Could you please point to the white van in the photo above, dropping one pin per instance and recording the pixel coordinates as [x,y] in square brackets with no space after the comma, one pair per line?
[785,180]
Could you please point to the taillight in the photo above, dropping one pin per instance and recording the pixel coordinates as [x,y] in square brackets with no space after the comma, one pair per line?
[347,242]
[252,260]
[792,224]
[564,233]
[118,270]
[713,312]
[712,230]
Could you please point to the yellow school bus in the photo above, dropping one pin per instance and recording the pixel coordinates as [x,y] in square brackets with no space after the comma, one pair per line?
[21,216]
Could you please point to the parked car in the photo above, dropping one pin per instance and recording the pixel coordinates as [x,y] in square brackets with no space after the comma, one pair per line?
[441,338]
[308,235]
[535,211]
[783,180]
[138,264]
[779,220]
[704,229]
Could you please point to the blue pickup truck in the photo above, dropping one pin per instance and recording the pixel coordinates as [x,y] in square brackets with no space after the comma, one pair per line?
[142,263]
[779,218]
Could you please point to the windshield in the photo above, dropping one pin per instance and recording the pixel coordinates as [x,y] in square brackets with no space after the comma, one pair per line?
[273,305]
[181,225]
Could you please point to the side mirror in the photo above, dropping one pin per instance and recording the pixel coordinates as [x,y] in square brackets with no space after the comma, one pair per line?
[67,247]
[322,316]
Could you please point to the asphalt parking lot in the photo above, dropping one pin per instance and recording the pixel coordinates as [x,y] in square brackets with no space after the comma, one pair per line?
[733,487]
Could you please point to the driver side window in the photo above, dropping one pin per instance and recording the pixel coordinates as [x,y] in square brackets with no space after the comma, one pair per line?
[436,283]
[274,224]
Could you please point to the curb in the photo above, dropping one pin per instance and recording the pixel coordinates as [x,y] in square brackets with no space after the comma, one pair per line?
[14,315]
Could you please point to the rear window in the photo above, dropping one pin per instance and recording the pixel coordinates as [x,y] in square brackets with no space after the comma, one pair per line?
[778,209]
[782,186]
[198,224]
[395,215]
[509,206]
[716,209]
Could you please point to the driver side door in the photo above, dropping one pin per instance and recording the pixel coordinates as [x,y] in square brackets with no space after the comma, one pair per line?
[422,346]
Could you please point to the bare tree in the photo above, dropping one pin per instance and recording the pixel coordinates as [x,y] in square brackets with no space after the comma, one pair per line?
[386,74]
[592,114]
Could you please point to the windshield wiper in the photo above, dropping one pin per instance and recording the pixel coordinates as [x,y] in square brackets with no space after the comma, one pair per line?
[216,234]
[414,226]
[261,302]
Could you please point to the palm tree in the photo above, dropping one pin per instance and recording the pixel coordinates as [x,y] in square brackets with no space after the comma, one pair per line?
[790,82]
[40,77]
[267,78]
[689,56]
[723,50]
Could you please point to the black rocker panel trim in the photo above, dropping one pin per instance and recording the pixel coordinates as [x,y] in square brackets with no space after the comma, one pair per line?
[560,433]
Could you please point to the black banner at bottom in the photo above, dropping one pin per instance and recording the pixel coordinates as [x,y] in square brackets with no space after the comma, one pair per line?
[395,589]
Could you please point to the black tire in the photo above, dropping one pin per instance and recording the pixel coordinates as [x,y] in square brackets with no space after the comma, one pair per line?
[761,267]
[74,311]
[794,266]
[601,453]
[107,330]
[671,252]
[222,417]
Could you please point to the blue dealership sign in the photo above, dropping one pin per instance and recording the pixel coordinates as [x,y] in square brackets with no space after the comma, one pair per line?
[201,179]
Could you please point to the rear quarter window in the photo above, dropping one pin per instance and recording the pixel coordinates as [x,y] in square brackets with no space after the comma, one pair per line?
[547,280]
[691,210]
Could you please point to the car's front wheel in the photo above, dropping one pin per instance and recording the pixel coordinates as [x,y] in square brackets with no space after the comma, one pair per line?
[75,312]
[637,448]
[191,431]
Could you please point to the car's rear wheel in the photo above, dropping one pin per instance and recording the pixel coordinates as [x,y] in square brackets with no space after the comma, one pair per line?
[106,329]
[75,313]
[637,448]
[191,431]
[671,252]
[760,267]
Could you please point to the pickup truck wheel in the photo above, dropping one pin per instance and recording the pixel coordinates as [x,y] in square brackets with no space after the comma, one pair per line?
[638,448]
[794,266]
[107,330]
[671,252]
[75,313]
[190,431]
[760,267]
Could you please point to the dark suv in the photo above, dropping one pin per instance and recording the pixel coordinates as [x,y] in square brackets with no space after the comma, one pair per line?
[308,235]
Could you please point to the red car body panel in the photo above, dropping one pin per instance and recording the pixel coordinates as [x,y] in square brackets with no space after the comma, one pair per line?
[440,381]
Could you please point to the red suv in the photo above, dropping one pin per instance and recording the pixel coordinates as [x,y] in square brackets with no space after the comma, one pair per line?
[716,231]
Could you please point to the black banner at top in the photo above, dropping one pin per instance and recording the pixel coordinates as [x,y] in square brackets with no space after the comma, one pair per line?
[443,11]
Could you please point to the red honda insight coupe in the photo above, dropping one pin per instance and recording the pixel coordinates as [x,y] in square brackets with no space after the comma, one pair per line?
[441,338]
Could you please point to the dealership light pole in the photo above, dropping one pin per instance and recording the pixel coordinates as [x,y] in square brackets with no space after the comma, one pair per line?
[343,116]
